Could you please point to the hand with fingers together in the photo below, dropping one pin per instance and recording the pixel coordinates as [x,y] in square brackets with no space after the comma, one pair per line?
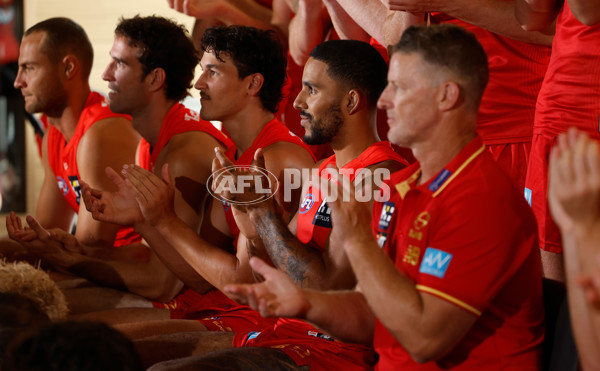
[574,182]
[276,296]
[118,207]
[154,196]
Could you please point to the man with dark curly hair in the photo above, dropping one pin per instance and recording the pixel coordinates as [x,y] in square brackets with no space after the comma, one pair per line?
[147,82]
[54,67]
[241,83]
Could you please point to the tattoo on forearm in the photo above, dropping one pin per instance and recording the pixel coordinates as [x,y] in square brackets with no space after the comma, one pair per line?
[285,251]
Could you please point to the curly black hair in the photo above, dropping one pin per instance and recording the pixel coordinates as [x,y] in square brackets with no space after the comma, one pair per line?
[252,51]
[164,44]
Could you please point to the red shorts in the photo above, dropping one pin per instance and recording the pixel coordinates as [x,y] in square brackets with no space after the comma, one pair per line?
[513,158]
[215,311]
[308,347]
[536,193]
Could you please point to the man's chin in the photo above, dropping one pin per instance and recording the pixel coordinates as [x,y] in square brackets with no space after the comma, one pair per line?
[313,141]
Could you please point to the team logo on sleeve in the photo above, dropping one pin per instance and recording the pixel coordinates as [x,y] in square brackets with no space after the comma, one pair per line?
[74,181]
[386,215]
[192,116]
[307,203]
[323,216]
[62,185]
[435,262]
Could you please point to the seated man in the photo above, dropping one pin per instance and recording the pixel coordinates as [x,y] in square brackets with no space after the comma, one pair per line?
[54,66]
[452,288]
[243,74]
[146,83]
[338,105]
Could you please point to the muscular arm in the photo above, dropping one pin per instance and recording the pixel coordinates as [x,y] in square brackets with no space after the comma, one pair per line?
[328,269]
[344,25]
[535,15]
[53,210]
[574,196]
[112,143]
[586,11]
[497,16]
[581,256]
[426,326]
[305,265]
[214,264]
[189,156]
[108,143]
[309,27]
[213,12]
[343,314]
[241,12]
[368,15]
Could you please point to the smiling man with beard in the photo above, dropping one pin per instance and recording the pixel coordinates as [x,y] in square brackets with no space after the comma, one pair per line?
[342,81]
[146,82]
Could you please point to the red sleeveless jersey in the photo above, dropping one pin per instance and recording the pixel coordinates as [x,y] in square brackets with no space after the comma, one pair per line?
[313,228]
[62,157]
[314,219]
[275,131]
[179,119]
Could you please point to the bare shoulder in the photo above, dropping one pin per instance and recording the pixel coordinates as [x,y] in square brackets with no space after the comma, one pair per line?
[288,155]
[110,133]
[391,165]
[109,142]
[190,143]
[189,154]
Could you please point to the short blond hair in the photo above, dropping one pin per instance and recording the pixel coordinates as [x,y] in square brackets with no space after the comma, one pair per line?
[24,279]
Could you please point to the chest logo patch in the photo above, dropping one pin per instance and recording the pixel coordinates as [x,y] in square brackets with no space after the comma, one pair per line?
[307,203]
[435,262]
[62,185]
[422,220]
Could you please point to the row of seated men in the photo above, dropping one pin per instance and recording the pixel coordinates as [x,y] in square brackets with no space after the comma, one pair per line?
[452,295]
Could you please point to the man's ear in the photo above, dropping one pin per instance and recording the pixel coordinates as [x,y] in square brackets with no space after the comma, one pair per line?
[353,101]
[71,66]
[449,95]
[156,79]
[255,83]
